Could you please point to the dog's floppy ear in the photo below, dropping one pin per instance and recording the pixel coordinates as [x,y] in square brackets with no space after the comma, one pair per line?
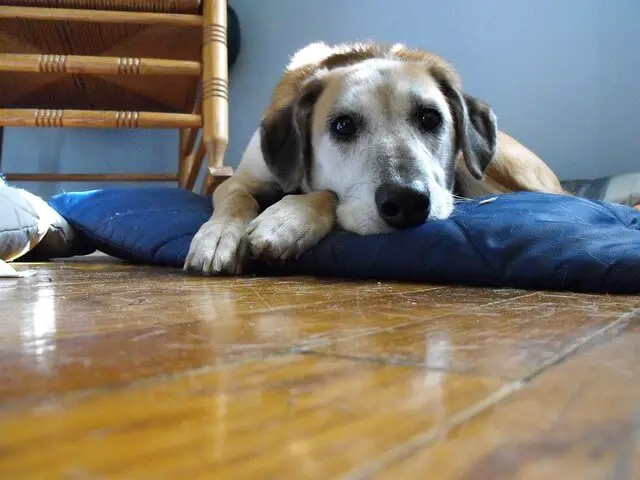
[285,136]
[476,126]
[476,129]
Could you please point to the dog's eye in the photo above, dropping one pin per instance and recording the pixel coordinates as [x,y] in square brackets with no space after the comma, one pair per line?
[344,127]
[429,119]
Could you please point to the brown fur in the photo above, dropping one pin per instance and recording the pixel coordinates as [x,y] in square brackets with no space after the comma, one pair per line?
[343,55]
[516,168]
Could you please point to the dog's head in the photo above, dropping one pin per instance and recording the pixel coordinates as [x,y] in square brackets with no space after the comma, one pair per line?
[381,128]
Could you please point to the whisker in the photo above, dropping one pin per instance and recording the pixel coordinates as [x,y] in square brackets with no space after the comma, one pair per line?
[459,198]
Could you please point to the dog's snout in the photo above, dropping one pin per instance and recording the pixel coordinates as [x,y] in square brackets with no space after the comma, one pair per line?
[401,206]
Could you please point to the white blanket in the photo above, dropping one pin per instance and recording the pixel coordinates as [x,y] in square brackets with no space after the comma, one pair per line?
[26,220]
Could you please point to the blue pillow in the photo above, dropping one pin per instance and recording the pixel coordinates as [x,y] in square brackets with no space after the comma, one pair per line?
[143,225]
[519,240]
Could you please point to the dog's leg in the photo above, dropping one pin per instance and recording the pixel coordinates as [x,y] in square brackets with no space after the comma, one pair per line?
[221,244]
[292,226]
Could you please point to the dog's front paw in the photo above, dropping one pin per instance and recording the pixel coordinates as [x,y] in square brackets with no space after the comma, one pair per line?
[220,246]
[287,229]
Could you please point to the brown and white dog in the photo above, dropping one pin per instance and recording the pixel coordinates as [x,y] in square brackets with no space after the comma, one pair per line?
[365,137]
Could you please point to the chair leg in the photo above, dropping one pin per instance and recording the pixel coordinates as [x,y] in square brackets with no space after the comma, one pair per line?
[189,160]
[207,186]
[182,159]
[194,165]
[186,146]
[215,91]
[1,141]
[210,183]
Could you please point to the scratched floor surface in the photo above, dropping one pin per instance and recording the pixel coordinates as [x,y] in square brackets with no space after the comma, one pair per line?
[110,371]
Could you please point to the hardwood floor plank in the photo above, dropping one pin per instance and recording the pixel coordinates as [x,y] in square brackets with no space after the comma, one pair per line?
[132,300]
[109,370]
[290,417]
[506,339]
[580,420]
[49,366]
[105,325]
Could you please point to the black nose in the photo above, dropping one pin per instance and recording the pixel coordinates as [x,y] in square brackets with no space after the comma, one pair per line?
[402,207]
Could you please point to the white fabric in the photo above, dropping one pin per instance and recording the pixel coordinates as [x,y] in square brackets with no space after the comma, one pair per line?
[7,271]
[25,219]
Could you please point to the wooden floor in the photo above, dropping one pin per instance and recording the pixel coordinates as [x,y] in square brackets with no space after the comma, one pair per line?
[110,371]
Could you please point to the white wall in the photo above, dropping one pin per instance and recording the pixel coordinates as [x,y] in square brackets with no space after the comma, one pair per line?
[560,74]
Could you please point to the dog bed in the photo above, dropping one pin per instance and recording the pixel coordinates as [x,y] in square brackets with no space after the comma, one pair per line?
[519,240]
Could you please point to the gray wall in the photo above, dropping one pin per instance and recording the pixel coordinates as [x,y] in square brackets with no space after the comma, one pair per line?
[560,74]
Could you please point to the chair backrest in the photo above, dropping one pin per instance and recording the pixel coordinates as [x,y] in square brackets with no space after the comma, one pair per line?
[64,67]
[159,6]
[51,44]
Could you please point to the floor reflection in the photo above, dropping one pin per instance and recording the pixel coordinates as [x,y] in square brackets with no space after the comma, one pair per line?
[38,330]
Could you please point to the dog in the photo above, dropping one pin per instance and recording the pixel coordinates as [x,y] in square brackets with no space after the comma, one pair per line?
[365,137]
